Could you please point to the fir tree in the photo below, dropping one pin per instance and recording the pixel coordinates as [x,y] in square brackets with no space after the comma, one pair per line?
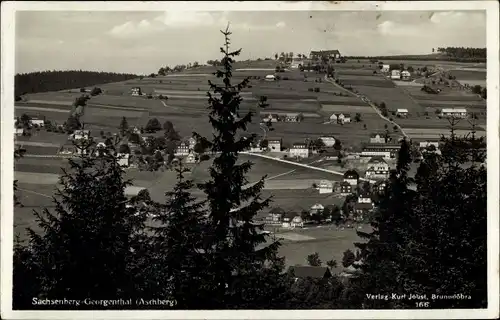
[244,271]
[123,126]
[178,240]
[86,247]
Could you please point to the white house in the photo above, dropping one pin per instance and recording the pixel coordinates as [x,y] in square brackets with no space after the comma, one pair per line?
[274,144]
[270,118]
[339,117]
[405,75]
[19,131]
[292,220]
[377,138]
[364,198]
[182,149]
[385,68]
[293,117]
[317,208]
[270,77]
[80,134]
[402,112]
[396,74]
[325,186]
[351,177]
[377,168]
[347,118]
[427,146]
[37,122]
[329,141]
[297,222]
[191,158]
[299,150]
[123,159]
[457,112]
[256,148]
[136,91]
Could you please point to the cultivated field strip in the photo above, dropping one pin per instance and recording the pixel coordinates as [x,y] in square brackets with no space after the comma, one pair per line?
[371,83]
[347,108]
[451,104]
[438,97]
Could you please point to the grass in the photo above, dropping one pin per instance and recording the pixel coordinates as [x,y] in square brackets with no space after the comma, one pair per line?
[329,108]
[468,75]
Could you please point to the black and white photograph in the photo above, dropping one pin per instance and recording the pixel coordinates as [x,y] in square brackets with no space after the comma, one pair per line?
[248,160]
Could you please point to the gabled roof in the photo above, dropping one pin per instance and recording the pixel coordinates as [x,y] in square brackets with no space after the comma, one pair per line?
[402,110]
[461,110]
[351,173]
[375,134]
[345,183]
[290,215]
[274,139]
[310,272]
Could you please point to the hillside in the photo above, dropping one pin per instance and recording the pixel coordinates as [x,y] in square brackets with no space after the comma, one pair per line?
[45,81]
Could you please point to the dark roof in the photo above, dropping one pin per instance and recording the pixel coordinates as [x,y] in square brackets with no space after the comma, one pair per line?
[290,215]
[308,271]
[274,139]
[374,134]
[351,174]
[344,183]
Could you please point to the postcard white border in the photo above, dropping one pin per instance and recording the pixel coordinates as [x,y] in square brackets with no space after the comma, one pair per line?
[7,147]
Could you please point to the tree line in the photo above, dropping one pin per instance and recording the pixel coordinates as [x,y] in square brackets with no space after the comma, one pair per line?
[45,81]
[462,52]
[429,233]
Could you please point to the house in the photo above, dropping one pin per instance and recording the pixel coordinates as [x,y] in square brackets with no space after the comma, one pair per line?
[346,188]
[299,150]
[136,130]
[182,149]
[364,197]
[429,146]
[316,209]
[19,131]
[329,141]
[339,118]
[377,138]
[191,143]
[402,112]
[256,148]
[385,68]
[69,148]
[325,54]
[191,158]
[456,113]
[270,117]
[274,144]
[292,220]
[351,177]
[362,208]
[377,168]
[136,91]
[270,77]
[385,150]
[123,159]
[396,74]
[405,75]
[325,186]
[274,218]
[293,117]
[80,134]
[304,272]
[380,187]
[37,122]
[347,118]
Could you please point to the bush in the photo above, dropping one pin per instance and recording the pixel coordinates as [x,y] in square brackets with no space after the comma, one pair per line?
[149,96]
[316,89]
[310,89]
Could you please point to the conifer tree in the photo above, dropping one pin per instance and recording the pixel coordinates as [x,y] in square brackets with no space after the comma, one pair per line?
[123,126]
[432,240]
[244,271]
[178,242]
[87,244]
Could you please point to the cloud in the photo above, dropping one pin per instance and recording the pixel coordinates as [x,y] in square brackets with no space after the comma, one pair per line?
[192,19]
[387,27]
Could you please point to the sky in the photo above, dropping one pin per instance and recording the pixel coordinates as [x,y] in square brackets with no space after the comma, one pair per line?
[141,42]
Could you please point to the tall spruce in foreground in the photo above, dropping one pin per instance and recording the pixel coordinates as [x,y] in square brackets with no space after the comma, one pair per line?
[178,256]
[432,240]
[244,271]
[86,246]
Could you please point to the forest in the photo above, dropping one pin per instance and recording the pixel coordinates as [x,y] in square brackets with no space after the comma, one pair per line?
[45,81]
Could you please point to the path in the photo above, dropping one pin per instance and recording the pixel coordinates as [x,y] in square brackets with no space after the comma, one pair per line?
[371,104]
[301,165]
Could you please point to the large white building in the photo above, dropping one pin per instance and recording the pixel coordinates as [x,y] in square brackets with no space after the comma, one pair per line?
[385,150]
[325,186]
[454,112]
[274,144]
[377,168]
[299,150]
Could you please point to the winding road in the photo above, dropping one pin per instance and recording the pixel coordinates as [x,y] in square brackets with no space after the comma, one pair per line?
[371,104]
